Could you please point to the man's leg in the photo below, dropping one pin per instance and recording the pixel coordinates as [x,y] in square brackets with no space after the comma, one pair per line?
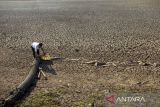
[33,52]
[38,52]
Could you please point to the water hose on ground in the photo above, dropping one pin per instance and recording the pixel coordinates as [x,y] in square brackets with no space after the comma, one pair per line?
[20,91]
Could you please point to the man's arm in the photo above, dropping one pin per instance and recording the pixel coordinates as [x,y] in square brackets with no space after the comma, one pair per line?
[42,50]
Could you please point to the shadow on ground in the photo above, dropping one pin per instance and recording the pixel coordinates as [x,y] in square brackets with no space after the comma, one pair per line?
[47,67]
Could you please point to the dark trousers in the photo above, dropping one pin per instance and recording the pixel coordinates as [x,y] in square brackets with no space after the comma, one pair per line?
[34,53]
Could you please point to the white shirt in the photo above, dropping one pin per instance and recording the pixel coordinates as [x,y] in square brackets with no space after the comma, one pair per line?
[35,45]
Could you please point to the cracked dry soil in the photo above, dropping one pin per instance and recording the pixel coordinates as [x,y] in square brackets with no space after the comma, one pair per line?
[103,30]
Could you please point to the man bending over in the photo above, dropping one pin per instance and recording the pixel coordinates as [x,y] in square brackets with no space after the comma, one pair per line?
[36,49]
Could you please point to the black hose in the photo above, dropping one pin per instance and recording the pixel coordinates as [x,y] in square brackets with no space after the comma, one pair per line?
[19,92]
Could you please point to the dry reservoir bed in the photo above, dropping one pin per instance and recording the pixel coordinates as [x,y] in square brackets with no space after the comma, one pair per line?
[122,32]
